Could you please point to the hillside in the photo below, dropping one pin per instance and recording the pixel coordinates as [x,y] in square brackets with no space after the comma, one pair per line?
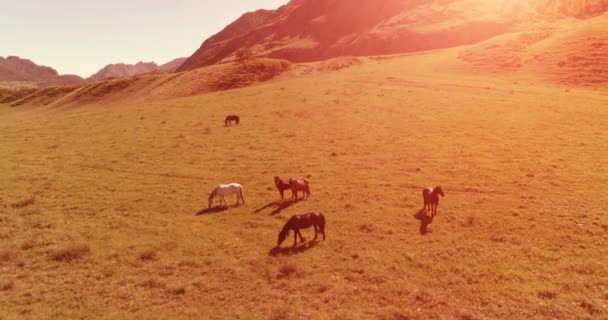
[150,86]
[307,30]
[122,70]
[569,53]
[103,204]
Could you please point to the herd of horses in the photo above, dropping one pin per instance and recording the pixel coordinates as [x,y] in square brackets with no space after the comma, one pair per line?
[315,219]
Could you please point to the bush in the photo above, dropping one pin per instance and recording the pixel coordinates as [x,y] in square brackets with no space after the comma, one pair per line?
[287,270]
[148,255]
[23,203]
[244,55]
[70,252]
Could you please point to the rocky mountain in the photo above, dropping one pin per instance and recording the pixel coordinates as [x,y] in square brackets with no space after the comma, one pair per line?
[13,68]
[308,30]
[120,70]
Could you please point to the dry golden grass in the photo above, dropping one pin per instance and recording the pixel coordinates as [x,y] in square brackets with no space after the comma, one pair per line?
[520,234]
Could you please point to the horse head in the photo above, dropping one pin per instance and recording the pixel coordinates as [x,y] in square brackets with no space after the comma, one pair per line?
[282,236]
[439,191]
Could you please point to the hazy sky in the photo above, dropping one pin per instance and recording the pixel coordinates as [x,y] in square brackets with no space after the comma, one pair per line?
[81,36]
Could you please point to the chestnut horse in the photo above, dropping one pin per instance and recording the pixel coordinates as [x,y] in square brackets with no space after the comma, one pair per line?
[281,185]
[299,185]
[430,196]
[303,221]
[231,118]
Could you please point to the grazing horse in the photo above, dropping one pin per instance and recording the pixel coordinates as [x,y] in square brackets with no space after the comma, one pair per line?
[430,196]
[303,221]
[231,118]
[224,190]
[281,185]
[299,185]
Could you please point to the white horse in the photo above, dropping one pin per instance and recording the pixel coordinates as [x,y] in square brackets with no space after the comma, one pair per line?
[227,189]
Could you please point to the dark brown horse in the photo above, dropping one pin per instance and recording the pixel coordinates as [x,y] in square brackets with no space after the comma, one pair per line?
[303,221]
[231,118]
[430,196]
[281,185]
[299,185]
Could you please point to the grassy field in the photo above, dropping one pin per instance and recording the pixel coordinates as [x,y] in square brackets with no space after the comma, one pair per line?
[102,208]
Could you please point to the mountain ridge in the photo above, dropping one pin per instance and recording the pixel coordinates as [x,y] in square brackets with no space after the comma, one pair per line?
[307,30]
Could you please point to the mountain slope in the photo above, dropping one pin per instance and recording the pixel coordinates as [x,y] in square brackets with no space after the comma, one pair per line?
[172,65]
[568,52]
[307,30]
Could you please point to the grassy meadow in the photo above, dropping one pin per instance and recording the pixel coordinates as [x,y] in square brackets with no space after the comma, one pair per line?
[102,207]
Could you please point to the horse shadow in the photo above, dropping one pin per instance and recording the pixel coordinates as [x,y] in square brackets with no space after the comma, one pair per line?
[425,220]
[278,205]
[288,251]
[216,209]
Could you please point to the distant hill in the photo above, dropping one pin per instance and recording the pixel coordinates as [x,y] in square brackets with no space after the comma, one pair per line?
[121,70]
[172,65]
[309,30]
[14,68]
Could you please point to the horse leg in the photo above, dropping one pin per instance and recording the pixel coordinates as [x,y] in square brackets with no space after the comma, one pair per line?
[295,237]
[281,191]
[316,231]
[301,238]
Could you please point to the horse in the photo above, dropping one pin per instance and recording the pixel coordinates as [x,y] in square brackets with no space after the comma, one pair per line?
[430,196]
[299,185]
[230,118]
[281,185]
[227,189]
[303,221]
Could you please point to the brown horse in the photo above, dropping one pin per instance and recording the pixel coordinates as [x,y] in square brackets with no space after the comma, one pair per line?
[299,185]
[430,196]
[303,221]
[281,185]
[230,118]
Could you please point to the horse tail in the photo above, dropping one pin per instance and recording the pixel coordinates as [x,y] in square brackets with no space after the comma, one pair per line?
[307,187]
[322,224]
